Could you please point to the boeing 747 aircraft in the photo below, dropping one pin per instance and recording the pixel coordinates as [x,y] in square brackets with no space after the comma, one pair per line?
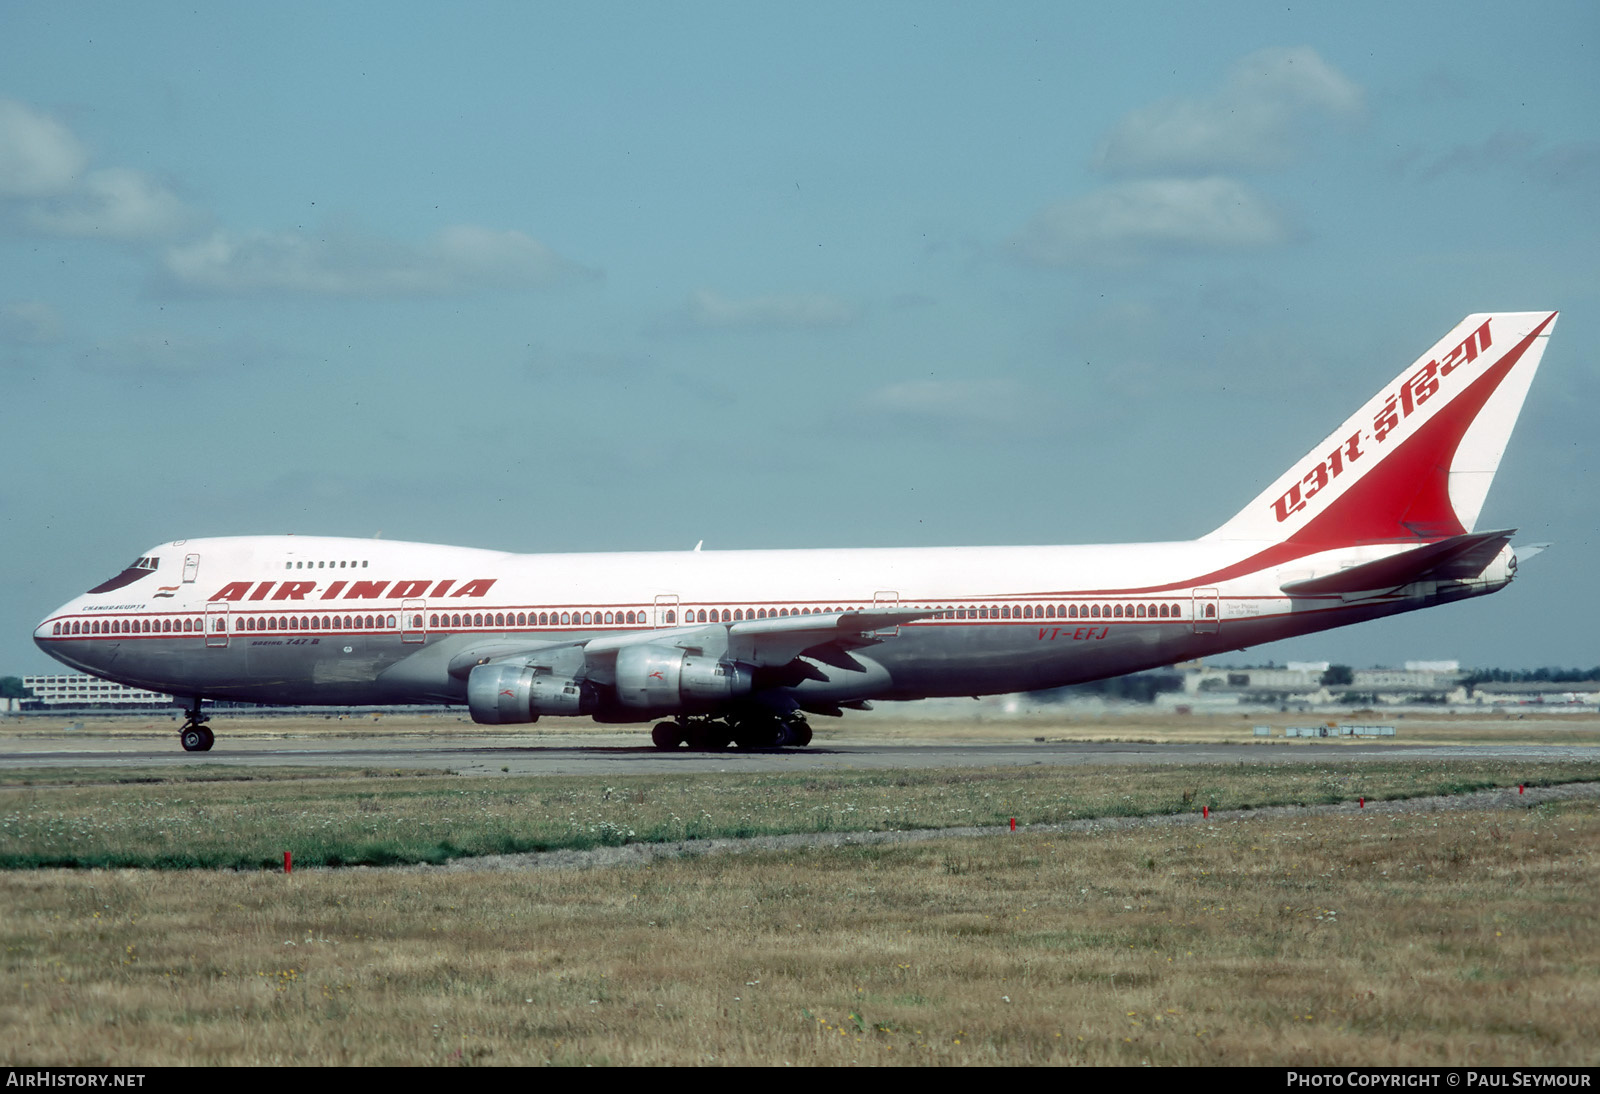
[738,646]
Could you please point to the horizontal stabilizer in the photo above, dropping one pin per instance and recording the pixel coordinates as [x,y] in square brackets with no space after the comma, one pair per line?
[1456,558]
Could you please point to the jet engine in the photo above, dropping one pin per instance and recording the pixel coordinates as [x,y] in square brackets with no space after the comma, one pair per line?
[660,679]
[505,693]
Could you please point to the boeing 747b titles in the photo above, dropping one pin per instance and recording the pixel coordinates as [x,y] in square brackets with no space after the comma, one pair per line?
[732,647]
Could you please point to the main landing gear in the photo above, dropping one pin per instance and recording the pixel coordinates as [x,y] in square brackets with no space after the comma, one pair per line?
[194,735]
[746,731]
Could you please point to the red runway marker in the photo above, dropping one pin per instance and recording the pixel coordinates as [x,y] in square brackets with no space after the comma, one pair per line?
[1205,811]
[288,862]
[1519,788]
[1013,824]
[1363,800]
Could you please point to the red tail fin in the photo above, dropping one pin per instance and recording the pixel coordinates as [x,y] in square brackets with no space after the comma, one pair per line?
[1416,461]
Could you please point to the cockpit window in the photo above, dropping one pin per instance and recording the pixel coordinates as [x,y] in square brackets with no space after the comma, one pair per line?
[136,569]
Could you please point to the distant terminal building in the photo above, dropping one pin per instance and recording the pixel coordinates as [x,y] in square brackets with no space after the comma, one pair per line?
[80,689]
[1304,684]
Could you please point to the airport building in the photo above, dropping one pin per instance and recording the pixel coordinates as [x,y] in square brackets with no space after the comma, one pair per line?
[79,689]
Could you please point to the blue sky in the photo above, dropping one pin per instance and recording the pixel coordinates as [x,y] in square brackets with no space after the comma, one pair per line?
[599,277]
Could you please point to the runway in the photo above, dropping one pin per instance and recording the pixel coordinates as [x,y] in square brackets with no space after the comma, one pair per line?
[630,754]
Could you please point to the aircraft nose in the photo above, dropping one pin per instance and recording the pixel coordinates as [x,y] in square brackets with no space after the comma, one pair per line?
[47,635]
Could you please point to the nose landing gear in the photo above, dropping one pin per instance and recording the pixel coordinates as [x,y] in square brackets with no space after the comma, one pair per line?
[194,736]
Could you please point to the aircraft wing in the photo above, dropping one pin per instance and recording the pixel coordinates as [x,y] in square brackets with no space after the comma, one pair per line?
[1456,558]
[756,642]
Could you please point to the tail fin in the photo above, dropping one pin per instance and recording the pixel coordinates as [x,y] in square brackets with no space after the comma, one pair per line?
[1416,461]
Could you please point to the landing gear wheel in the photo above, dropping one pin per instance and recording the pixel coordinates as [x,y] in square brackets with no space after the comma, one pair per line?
[665,736]
[194,736]
[714,736]
[793,732]
[756,733]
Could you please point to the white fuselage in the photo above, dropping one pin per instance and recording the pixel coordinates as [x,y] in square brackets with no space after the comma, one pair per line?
[338,621]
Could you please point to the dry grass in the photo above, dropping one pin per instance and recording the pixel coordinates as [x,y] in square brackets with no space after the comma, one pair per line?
[904,723]
[359,819]
[1351,939]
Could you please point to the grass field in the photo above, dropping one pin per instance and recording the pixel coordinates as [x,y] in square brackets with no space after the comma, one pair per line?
[1348,939]
[892,722]
[1357,938]
[169,820]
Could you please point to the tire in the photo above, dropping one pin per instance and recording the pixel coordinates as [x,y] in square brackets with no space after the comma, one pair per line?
[194,740]
[756,733]
[665,736]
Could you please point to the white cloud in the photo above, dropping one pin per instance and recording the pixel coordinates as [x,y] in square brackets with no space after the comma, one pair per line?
[987,401]
[46,189]
[162,353]
[343,262]
[113,203]
[1131,221]
[1270,105]
[39,156]
[29,322]
[1573,163]
[793,310]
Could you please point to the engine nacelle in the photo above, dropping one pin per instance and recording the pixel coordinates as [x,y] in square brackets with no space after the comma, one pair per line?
[661,679]
[507,694]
